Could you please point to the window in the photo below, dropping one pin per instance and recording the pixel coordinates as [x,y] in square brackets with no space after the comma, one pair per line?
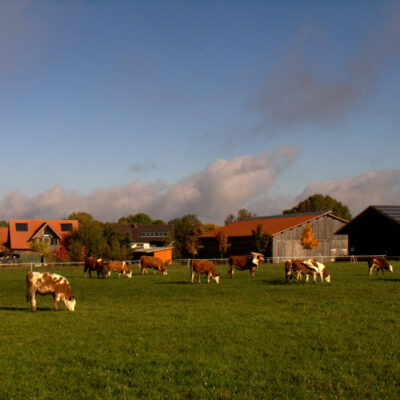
[153,234]
[21,227]
[66,227]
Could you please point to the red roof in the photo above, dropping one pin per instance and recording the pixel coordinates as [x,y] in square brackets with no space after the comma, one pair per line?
[271,225]
[19,239]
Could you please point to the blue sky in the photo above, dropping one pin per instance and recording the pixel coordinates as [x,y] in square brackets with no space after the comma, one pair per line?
[197,107]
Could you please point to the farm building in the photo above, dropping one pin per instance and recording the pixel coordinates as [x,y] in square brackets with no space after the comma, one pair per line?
[376,230]
[156,235]
[165,253]
[285,233]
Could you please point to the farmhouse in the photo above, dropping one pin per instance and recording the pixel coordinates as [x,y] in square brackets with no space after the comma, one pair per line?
[285,233]
[20,234]
[376,230]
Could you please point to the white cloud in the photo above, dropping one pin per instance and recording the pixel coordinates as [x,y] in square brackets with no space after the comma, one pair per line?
[222,187]
[358,192]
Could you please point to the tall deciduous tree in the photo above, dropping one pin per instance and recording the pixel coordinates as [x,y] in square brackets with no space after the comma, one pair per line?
[318,202]
[222,240]
[184,227]
[139,218]
[261,239]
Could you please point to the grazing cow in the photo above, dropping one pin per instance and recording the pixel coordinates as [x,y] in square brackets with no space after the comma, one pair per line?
[249,261]
[298,268]
[94,264]
[319,268]
[152,262]
[45,283]
[380,264]
[203,267]
[120,267]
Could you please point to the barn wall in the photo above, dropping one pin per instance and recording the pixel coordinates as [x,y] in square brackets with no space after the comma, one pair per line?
[287,244]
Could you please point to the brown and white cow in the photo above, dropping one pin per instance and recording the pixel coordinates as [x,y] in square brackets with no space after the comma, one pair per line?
[94,264]
[379,263]
[155,263]
[203,267]
[120,267]
[248,261]
[298,268]
[46,283]
[319,268]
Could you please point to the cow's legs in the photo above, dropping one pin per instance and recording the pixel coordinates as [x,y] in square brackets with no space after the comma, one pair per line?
[252,272]
[231,271]
[57,298]
[192,276]
[32,296]
[198,277]
[208,277]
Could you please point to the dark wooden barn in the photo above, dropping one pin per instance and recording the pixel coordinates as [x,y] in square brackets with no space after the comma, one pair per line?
[285,236]
[374,231]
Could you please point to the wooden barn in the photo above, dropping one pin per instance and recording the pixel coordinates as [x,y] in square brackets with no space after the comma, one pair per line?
[376,230]
[285,233]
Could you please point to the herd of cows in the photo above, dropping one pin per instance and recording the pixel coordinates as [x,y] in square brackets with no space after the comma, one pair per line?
[59,287]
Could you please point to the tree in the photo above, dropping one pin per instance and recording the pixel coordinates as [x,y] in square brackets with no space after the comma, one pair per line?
[39,246]
[208,227]
[3,224]
[139,218]
[222,240]
[318,202]
[307,238]
[261,239]
[192,243]
[184,227]
[241,216]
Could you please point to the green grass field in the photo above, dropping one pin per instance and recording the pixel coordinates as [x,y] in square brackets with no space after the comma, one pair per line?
[160,337]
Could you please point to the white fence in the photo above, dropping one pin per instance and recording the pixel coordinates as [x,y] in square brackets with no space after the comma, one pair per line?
[186,261]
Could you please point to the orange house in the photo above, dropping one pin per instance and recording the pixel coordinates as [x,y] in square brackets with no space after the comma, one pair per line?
[165,253]
[22,233]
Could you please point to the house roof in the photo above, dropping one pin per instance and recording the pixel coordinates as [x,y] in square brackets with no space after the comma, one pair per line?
[273,225]
[392,213]
[20,239]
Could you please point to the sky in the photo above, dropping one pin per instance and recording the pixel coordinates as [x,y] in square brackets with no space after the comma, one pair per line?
[197,107]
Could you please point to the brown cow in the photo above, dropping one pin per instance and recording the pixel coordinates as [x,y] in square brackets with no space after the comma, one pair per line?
[45,283]
[380,264]
[249,261]
[94,264]
[203,267]
[152,262]
[120,267]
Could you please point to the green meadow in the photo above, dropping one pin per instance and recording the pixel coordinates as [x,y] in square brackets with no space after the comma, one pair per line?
[160,337]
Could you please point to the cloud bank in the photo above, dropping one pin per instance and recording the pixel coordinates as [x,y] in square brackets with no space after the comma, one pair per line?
[222,187]
[358,192]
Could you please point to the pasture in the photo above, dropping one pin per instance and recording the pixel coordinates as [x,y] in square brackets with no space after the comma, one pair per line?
[160,337]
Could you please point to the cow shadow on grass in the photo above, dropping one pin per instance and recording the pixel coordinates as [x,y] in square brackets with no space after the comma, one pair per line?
[388,279]
[25,309]
[173,283]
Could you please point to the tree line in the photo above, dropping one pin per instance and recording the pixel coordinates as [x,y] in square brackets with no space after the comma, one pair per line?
[102,240]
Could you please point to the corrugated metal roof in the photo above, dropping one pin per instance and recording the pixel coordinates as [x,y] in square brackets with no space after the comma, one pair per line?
[392,212]
[272,225]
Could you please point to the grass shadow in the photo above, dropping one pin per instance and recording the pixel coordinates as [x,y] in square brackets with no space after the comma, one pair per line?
[25,309]
[173,283]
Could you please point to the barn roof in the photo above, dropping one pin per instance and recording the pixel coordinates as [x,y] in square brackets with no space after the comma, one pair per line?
[391,213]
[273,225]
[19,239]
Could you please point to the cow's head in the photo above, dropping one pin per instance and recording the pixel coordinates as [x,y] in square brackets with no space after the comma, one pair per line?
[164,271]
[257,258]
[389,268]
[216,278]
[70,303]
